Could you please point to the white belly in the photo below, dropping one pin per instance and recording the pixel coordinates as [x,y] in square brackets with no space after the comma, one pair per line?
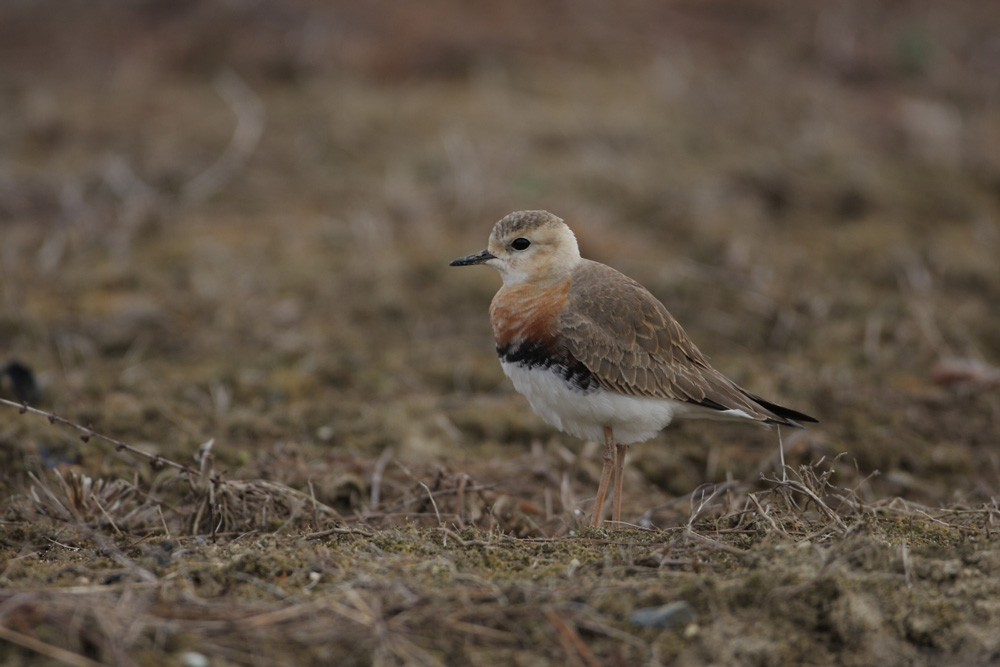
[586,413]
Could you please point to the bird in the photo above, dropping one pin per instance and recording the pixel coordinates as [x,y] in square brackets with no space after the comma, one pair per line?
[595,353]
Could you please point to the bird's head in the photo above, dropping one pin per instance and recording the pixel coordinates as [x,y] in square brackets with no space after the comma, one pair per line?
[528,246]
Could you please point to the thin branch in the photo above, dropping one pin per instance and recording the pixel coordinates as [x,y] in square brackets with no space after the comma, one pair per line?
[155,460]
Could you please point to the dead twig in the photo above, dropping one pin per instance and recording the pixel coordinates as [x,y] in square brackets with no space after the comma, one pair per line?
[49,651]
[717,489]
[767,515]
[577,652]
[156,461]
[433,502]
[704,499]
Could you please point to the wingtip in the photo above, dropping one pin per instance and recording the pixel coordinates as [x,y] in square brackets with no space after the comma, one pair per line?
[783,416]
[785,421]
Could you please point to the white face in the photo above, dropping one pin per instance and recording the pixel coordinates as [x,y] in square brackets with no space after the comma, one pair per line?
[546,252]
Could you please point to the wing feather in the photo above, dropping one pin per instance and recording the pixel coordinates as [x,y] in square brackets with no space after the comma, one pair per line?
[634,346]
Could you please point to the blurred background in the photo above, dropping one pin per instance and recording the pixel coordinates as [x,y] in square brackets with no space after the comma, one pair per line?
[233,219]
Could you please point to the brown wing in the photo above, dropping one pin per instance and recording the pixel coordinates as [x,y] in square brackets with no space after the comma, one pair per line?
[629,341]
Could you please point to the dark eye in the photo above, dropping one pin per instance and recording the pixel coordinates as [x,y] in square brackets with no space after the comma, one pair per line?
[520,243]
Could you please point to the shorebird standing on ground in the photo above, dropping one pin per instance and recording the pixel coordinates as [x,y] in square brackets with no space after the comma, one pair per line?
[596,355]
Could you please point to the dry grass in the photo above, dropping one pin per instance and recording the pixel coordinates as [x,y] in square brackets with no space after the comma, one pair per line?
[202,564]
[224,236]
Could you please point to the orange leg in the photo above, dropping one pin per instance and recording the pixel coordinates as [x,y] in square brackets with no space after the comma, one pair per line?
[602,489]
[616,508]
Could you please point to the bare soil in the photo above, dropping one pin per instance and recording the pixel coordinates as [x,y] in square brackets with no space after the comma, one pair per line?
[277,432]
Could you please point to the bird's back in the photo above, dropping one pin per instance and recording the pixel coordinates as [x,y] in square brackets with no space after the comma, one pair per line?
[630,342]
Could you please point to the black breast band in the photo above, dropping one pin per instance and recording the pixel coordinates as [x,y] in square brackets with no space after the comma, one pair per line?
[534,355]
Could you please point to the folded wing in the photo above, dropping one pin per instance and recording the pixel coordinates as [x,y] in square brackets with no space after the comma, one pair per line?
[634,346]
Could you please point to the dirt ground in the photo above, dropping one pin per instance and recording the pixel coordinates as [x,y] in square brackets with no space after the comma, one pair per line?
[270,427]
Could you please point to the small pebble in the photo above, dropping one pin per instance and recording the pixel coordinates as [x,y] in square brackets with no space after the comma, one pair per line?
[194,659]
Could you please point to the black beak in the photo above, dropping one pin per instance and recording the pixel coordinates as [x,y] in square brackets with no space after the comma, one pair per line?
[475,258]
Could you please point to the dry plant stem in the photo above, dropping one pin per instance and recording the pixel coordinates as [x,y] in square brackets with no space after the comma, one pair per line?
[904,555]
[250,117]
[282,615]
[54,652]
[108,517]
[394,510]
[781,453]
[586,617]
[155,460]
[460,499]
[820,505]
[433,503]
[377,474]
[762,512]
[602,489]
[577,652]
[704,500]
[789,441]
[116,554]
[567,498]
[689,497]
[481,631]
